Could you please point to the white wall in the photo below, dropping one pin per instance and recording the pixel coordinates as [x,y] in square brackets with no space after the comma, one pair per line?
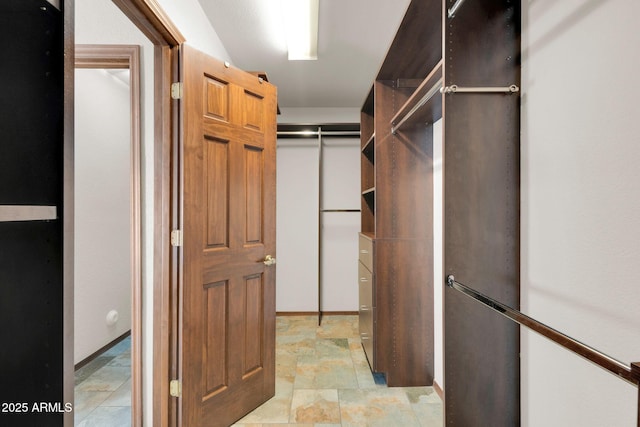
[189,18]
[319,115]
[340,190]
[580,206]
[101,22]
[297,225]
[102,206]
[340,261]
[297,231]
[438,278]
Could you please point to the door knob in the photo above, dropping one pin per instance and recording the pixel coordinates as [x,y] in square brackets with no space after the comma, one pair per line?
[269,260]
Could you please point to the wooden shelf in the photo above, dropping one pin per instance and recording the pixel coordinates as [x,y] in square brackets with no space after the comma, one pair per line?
[369,234]
[369,192]
[425,104]
[369,197]
[368,149]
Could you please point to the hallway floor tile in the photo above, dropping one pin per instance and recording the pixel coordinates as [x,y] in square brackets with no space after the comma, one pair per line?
[324,380]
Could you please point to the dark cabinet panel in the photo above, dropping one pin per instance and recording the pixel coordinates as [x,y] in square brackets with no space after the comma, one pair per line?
[31,174]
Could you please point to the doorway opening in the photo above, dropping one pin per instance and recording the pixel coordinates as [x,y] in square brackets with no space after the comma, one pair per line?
[108,282]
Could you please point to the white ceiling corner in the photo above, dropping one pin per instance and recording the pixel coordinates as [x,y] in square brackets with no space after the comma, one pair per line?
[353,38]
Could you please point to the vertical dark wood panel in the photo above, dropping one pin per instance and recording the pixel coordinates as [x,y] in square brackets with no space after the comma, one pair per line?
[481,214]
[31,173]
[385,159]
[403,257]
[404,309]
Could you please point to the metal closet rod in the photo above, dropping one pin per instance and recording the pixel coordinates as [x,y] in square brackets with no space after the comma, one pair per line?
[434,89]
[481,89]
[602,360]
[453,9]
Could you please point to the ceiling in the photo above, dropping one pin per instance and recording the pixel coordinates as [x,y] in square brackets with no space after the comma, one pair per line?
[353,38]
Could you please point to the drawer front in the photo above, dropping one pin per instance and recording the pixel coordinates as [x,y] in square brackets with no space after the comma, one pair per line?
[366,310]
[366,252]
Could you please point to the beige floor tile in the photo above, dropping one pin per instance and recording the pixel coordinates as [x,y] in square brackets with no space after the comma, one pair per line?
[426,405]
[323,379]
[339,327]
[104,416]
[107,378]
[295,345]
[275,410]
[120,397]
[296,325]
[86,402]
[315,406]
[380,407]
[315,373]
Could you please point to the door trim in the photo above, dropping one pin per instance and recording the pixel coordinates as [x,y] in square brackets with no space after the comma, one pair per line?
[151,19]
[155,24]
[127,57]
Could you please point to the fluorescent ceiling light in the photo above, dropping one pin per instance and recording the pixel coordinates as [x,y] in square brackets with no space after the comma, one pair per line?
[301,25]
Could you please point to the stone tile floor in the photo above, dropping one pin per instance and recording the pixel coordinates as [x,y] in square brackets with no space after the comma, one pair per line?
[103,389]
[322,380]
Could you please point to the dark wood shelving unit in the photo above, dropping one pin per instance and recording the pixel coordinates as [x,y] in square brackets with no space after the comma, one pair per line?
[396,253]
[480,148]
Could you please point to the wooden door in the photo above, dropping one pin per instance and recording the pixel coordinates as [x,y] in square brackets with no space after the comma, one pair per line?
[227,293]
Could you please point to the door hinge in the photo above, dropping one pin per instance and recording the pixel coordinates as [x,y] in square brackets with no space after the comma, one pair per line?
[176,237]
[176,90]
[175,388]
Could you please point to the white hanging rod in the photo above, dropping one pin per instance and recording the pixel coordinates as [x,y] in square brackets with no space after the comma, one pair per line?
[458,89]
[453,9]
[436,87]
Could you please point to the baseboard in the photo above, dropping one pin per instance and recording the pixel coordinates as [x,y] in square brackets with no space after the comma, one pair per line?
[438,390]
[296,313]
[339,313]
[101,350]
[315,313]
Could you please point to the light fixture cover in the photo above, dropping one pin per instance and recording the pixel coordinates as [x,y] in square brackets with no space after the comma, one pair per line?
[301,25]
